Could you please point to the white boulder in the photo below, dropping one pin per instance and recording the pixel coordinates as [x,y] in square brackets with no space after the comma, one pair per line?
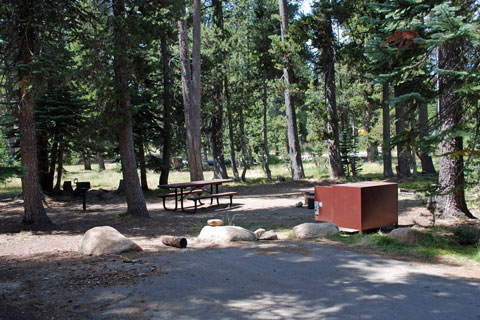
[105,240]
[224,234]
[315,230]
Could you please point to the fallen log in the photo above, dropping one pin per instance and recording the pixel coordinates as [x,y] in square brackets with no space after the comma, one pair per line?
[173,241]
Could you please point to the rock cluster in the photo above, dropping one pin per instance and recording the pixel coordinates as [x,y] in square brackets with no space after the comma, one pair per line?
[216,232]
[221,234]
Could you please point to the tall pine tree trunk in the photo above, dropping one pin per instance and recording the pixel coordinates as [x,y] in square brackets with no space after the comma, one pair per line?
[87,162]
[333,141]
[243,145]
[167,110]
[53,163]
[411,149]
[135,200]
[142,164]
[100,160]
[265,126]
[34,213]
[386,146]
[403,155]
[56,190]
[292,131]
[216,137]
[451,176]
[264,99]
[191,92]
[230,130]
[367,123]
[425,158]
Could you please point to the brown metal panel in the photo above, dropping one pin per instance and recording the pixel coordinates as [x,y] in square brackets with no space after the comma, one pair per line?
[361,206]
[348,207]
[379,206]
[324,207]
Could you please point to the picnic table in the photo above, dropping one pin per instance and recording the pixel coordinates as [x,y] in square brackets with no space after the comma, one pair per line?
[195,191]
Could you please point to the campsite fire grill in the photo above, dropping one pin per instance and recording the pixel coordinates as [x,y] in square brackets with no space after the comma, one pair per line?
[82,187]
[360,206]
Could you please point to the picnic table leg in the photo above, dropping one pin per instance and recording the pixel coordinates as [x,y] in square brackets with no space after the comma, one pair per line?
[181,199]
[175,199]
[195,209]
[216,191]
[165,205]
[211,192]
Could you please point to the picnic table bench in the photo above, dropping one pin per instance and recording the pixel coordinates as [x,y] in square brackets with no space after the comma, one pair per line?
[212,196]
[176,194]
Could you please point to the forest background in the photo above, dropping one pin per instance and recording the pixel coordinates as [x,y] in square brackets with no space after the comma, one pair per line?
[264,83]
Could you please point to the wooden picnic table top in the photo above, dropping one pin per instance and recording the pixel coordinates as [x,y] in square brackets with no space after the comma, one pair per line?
[200,183]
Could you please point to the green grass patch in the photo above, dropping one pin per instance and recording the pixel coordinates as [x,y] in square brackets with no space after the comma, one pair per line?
[123,216]
[438,242]
[10,188]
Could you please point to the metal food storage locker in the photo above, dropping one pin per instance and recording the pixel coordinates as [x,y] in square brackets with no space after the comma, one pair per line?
[360,206]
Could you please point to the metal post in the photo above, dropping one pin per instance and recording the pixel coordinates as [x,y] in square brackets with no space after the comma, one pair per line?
[84,202]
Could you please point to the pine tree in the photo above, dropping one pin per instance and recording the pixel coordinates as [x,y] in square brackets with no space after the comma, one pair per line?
[292,130]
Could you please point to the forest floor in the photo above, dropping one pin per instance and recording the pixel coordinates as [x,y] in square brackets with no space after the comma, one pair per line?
[34,263]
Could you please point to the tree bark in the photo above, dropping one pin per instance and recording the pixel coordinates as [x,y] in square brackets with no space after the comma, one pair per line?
[167,110]
[143,167]
[230,130]
[425,158]
[386,146]
[56,190]
[265,126]
[411,149]
[333,138]
[451,175]
[177,242]
[87,162]
[135,200]
[243,145]
[292,131]
[403,155]
[34,213]
[353,160]
[216,137]
[101,161]
[371,148]
[191,92]
[53,163]
[264,100]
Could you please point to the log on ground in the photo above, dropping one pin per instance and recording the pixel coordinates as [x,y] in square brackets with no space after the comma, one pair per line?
[172,241]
